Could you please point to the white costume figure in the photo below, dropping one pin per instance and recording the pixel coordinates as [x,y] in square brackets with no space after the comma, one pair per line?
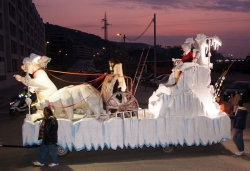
[191,96]
[121,80]
[116,68]
[40,83]
[67,99]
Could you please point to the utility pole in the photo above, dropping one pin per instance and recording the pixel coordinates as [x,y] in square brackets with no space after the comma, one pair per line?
[105,28]
[124,59]
[154,47]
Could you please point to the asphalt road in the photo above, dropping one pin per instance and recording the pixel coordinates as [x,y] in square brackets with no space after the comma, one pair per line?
[217,157]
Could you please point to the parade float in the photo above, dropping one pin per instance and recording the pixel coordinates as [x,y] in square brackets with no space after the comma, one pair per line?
[181,111]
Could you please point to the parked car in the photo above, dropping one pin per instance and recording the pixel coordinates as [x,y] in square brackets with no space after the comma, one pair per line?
[145,78]
[158,78]
[243,87]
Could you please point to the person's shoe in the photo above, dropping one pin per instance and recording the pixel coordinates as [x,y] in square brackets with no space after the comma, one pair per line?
[239,153]
[53,164]
[37,163]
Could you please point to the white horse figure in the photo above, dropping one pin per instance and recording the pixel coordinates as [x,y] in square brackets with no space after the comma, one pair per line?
[64,101]
[71,99]
[202,45]
[40,83]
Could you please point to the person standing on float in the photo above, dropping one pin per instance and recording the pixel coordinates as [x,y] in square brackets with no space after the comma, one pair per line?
[188,56]
[115,67]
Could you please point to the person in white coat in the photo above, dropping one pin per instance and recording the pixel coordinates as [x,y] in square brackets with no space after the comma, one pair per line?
[115,67]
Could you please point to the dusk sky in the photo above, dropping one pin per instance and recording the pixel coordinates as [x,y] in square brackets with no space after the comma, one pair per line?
[176,20]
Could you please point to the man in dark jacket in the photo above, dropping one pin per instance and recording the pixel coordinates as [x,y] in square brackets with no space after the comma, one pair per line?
[48,135]
[239,125]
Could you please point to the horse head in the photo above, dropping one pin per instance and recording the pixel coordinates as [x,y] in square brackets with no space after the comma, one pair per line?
[42,61]
[203,46]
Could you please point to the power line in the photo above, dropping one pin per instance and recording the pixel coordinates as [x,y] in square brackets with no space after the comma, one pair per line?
[141,33]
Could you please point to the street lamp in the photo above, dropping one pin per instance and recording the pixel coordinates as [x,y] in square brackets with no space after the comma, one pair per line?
[105,57]
[46,46]
[120,35]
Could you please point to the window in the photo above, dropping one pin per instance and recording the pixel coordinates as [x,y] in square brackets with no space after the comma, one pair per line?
[20,5]
[12,29]
[13,47]
[14,65]
[1,43]
[21,35]
[1,21]
[28,40]
[22,50]
[12,11]
[20,20]
[31,32]
[27,16]
[2,68]
[28,27]
[32,43]
[29,51]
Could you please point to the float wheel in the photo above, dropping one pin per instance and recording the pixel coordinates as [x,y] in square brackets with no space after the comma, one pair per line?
[122,102]
[61,152]
[168,149]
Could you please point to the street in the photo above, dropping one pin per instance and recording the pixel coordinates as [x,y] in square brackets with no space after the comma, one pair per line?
[211,157]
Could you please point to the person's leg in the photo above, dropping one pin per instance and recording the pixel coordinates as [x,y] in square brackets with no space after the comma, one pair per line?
[53,153]
[238,139]
[42,153]
[241,142]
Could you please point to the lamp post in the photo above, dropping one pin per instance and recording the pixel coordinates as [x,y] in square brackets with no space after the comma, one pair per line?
[120,35]
[105,57]
[47,50]
[59,58]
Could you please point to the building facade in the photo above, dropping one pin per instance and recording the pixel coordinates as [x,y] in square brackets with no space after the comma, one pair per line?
[21,33]
[59,47]
[84,52]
